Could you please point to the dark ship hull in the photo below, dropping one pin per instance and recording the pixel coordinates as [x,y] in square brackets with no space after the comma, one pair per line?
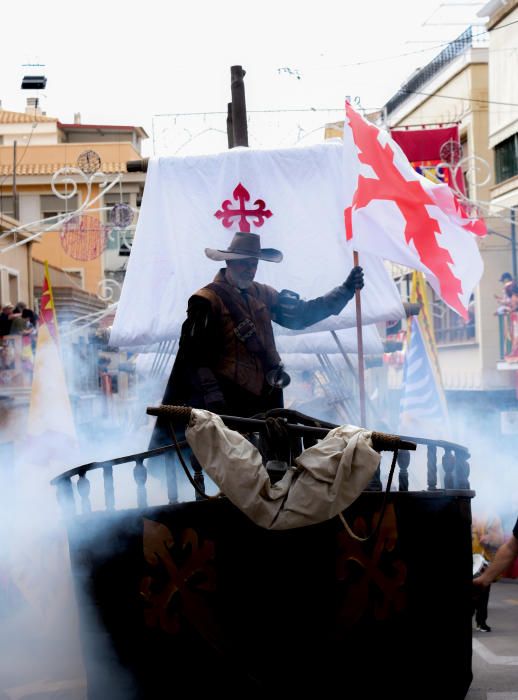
[193,597]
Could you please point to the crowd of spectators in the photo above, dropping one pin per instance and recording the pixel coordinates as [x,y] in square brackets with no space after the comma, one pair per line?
[17,320]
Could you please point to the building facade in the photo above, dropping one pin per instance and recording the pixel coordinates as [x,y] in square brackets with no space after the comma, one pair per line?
[454,89]
[87,247]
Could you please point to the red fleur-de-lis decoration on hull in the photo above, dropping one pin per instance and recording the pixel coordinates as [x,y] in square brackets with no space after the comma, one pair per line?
[229,215]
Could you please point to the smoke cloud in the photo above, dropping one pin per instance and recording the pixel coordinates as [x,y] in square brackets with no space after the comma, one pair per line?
[40,642]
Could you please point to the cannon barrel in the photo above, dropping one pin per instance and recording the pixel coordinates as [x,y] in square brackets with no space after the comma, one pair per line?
[380,441]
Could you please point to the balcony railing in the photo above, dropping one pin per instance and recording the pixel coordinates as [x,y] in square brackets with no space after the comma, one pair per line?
[465,41]
[508,336]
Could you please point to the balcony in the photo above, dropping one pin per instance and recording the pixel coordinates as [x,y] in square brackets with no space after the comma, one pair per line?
[464,41]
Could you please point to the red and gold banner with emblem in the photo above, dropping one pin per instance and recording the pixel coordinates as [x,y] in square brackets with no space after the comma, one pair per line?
[427,148]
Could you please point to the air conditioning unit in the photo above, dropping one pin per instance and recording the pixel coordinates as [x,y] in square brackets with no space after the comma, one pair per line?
[34,82]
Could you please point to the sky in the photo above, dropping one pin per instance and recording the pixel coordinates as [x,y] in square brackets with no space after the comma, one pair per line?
[126,62]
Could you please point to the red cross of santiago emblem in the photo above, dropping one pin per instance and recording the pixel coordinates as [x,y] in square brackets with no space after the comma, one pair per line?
[229,215]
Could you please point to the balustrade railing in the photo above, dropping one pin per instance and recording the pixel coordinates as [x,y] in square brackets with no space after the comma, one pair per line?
[508,335]
[73,486]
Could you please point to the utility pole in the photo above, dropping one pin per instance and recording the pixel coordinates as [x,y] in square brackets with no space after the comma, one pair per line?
[15,193]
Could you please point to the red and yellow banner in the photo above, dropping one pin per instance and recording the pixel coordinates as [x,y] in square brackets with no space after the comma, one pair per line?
[47,307]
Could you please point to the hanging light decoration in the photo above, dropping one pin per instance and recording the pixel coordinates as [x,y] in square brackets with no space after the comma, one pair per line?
[83,237]
[121,215]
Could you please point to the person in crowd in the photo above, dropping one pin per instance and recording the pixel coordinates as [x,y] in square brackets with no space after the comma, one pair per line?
[513,301]
[504,557]
[227,361]
[504,298]
[20,324]
[6,318]
[487,536]
[27,313]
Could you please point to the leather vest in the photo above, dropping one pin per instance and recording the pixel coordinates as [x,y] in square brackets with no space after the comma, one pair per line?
[234,361]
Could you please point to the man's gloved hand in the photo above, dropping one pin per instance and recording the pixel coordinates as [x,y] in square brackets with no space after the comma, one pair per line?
[355,279]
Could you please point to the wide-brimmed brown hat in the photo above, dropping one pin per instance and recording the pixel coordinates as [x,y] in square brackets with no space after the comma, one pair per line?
[245,245]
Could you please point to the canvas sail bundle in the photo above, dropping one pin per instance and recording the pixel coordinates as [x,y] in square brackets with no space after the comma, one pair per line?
[325,480]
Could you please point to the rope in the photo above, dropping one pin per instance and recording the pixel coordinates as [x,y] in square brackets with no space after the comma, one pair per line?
[385,442]
[174,411]
[376,530]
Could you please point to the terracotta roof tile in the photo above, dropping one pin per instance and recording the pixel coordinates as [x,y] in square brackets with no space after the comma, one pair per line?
[8,117]
[50,169]
[47,159]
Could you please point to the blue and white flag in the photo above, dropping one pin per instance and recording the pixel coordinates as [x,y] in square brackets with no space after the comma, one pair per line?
[422,408]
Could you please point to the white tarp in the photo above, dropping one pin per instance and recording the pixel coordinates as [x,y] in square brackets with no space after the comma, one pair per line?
[303,189]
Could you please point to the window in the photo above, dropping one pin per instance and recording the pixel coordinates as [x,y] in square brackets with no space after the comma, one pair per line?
[13,286]
[50,205]
[6,205]
[506,158]
[126,241]
[448,326]
[9,285]
[77,274]
[118,239]
[112,198]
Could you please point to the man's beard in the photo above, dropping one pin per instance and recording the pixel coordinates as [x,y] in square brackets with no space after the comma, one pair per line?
[238,281]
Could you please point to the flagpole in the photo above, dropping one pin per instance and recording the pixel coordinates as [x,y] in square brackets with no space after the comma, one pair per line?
[359,336]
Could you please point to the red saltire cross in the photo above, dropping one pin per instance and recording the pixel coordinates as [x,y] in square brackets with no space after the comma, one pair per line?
[241,195]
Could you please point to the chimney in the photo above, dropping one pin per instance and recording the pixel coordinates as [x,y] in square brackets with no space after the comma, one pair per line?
[32,106]
[77,117]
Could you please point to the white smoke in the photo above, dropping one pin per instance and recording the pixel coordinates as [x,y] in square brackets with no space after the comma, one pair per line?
[40,641]
[40,645]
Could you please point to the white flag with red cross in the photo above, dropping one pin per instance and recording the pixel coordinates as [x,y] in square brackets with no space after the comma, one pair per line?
[396,213]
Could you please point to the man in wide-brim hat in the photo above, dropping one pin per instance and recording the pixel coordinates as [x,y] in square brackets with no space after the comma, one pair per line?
[227,361]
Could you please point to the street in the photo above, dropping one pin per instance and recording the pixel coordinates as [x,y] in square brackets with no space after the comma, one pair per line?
[495,653]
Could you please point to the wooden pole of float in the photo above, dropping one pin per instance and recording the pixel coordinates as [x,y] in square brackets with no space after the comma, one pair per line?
[359,336]
[238,107]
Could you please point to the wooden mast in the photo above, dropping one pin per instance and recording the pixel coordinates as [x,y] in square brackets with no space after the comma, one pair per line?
[239,123]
